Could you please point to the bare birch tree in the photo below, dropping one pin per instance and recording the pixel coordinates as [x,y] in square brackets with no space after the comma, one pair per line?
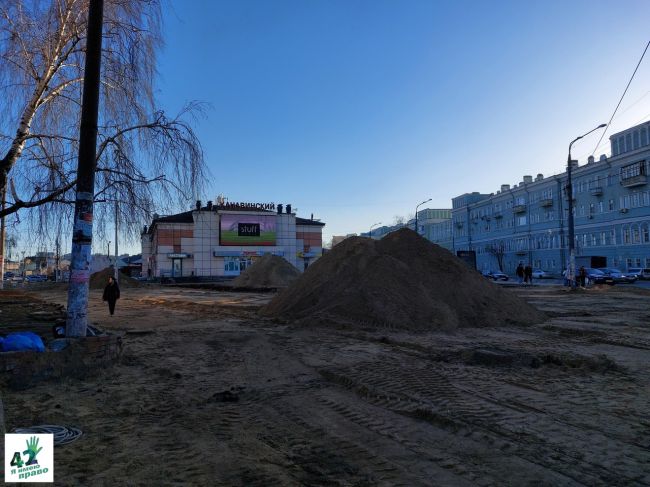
[146,159]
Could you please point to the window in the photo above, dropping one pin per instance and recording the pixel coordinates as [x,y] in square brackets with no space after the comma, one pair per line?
[636,235]
[644,136]
[594,240]
[601,207]
[628,141]
[603,238]
[610,205]
[636,139]
[626,235]
[645,234]
[633,170]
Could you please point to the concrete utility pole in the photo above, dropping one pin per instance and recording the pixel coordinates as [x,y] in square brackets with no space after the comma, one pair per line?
[569,189]
[3,236]
[82,235]
[117,272]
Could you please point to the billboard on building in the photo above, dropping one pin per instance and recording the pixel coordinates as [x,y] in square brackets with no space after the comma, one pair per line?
[242,230]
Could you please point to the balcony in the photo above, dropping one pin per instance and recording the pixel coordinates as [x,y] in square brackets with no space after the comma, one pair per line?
[519,209]
[596,190]
[638,180]
[521,252]
[546,202]
[497,215]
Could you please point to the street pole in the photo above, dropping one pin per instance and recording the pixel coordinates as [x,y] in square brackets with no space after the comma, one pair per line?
[117,272]
[3,236]
[82,234]
[571,223]
[416,215]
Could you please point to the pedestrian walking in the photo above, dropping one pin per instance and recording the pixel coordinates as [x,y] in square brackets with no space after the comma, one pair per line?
[111,294]
[582,275]
[520,272]
[528,274]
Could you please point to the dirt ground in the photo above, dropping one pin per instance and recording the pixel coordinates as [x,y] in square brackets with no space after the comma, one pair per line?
[207,393]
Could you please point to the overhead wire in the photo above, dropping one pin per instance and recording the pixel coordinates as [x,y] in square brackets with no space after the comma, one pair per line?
[622,96]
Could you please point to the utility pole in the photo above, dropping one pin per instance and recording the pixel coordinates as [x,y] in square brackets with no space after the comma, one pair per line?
[82,234]
[57,258]
[117,272]
[3,236]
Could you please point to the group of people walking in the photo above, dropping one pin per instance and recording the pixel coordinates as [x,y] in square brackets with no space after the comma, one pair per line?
[524,274]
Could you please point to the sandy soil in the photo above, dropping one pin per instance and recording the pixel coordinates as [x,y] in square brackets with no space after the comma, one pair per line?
[207,393]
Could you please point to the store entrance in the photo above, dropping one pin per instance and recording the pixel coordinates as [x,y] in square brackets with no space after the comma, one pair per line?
[233,266]
[177,267]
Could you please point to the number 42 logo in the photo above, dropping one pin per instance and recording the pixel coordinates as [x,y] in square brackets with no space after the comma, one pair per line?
[32,451]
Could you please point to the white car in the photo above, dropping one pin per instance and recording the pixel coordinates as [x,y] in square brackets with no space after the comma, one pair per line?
[539,274]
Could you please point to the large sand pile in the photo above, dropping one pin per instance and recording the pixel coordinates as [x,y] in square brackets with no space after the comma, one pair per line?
[269,271]
[99,279]
[402,281]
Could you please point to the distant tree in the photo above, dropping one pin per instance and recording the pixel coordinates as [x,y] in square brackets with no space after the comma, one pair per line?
[398,220]
[146,159]
[497,249]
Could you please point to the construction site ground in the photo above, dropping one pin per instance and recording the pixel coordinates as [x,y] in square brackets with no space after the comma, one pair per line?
[208,393]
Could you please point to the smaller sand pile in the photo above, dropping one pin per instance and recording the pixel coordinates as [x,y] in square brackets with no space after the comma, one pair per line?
[270,271]
[402,281]
[99,279]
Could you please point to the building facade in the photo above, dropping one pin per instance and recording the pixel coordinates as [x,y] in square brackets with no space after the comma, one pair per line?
[528,222]
[224,239]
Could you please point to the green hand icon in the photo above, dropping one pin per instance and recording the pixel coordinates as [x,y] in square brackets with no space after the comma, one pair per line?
[32,451]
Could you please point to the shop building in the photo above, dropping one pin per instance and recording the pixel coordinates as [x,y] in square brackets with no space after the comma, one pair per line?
[224,239]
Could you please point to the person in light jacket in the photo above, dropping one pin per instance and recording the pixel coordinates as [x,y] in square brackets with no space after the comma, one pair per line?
[111,294]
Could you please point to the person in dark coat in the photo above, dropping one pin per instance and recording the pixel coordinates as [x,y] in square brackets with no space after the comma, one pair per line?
[111,294]
[520,272]
[528,274]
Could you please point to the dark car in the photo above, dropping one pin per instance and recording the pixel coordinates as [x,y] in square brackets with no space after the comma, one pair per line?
[496,275]
[617,275]
[596,276]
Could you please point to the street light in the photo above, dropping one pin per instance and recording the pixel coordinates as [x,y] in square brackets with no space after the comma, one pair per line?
[569,189]
[416,215]
[371,227]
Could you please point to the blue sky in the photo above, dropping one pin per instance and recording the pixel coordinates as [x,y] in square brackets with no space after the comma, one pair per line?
[356,111]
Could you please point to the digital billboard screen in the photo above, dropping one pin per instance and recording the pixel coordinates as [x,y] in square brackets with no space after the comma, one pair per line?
[252,230]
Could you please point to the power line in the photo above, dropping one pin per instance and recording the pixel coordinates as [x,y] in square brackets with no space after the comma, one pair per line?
[622,96]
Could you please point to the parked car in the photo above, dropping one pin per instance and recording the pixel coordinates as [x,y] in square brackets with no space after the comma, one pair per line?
[596,276]
[18,279]
[496,275]
[8,275]
[639,272]
[36,278]
[617,275]
[540,274]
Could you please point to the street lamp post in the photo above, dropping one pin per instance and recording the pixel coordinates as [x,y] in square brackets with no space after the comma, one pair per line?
[371,227]
[416,215]
[571,223]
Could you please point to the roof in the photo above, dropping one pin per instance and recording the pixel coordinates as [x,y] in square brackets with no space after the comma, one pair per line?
[185,217]
[305,221]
